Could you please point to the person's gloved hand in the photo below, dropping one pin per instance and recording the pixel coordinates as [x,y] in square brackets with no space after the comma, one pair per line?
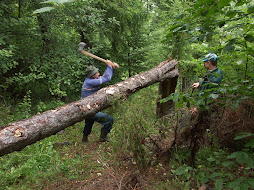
[112,64]
[115,65]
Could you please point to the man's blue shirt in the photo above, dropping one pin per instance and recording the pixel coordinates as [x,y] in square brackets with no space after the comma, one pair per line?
[90,86]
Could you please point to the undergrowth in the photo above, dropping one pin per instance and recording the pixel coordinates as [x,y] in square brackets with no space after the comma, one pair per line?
[215,167]
[63,161]
[135,119]
[42,162]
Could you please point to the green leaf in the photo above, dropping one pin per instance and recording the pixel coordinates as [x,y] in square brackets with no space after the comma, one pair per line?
[44,9]
[250,143]
[227,164]
[223,3]
[187,185]
[222,90]
[201,37]
[180,16]
[244,97]
[235,105]
[51,1]
[230,46]
[243,186]
[250,181]
[249,38]
[241,157]
[58,1]
[243,135]
[176,96]
[177,29]
[234,184]
[250,9]
[180,171]
[179,104]
[188,104]
[214,175]
[174,26]
[219,184]
[170,97]
[214,96]
[240,2]
[231,13]
[221,23]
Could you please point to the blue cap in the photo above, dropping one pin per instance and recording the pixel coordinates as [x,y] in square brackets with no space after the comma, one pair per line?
[210,56]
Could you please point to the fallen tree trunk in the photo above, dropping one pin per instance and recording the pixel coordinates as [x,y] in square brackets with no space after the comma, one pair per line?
[18,135]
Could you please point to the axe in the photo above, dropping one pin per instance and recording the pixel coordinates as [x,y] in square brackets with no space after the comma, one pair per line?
[81,50]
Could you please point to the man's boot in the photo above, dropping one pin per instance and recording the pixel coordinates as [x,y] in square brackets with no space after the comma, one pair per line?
[103,136]
[85,139]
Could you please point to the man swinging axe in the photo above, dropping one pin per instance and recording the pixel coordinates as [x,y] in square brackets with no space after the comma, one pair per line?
[90,86]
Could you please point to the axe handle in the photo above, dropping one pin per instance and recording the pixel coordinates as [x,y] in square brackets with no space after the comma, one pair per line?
[92,55]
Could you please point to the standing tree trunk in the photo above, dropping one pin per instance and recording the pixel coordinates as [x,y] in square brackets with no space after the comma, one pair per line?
[19,11]
[84,39]
[18,135]
[166,87]
[129,65]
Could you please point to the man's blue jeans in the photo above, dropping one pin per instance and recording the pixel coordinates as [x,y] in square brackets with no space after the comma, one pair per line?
[102,118]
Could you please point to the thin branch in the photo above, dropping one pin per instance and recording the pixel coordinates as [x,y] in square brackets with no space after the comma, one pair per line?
[3,100]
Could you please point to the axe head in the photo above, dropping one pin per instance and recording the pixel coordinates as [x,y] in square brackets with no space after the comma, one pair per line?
[81,46]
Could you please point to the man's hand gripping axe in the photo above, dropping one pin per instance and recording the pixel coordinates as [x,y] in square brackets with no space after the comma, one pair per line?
[81,50]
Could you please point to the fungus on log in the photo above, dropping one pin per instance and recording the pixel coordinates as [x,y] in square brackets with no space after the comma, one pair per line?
[19,134]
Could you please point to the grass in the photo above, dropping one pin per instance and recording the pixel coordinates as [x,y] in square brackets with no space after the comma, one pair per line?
[62,161]
[56,158]
[59,157]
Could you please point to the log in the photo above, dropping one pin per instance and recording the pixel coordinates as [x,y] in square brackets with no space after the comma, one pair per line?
[17,135]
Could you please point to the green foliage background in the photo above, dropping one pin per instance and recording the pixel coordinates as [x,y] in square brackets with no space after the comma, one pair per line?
[41,69]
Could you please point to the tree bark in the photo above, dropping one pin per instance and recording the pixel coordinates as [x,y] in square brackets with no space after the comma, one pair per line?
[166,87]
[18,135]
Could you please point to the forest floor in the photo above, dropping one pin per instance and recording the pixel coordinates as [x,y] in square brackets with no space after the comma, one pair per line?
[98,171]
[94,166]
[62,161]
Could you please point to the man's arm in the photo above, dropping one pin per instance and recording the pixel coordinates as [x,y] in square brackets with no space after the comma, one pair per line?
[216,77]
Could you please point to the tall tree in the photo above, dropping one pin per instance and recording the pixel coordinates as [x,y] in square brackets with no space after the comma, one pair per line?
[223,27]
[125,30]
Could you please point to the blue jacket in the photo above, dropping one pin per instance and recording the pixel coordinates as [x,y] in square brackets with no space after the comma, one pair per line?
[91,86]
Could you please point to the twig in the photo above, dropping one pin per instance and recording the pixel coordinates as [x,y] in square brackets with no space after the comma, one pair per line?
[175,135]
[135,186]
[151,138]
[3,100]
[211,6]
[120,185]
[87,181]
[141,187]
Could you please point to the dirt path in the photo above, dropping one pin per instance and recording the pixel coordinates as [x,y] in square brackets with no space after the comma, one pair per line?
[95,167]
